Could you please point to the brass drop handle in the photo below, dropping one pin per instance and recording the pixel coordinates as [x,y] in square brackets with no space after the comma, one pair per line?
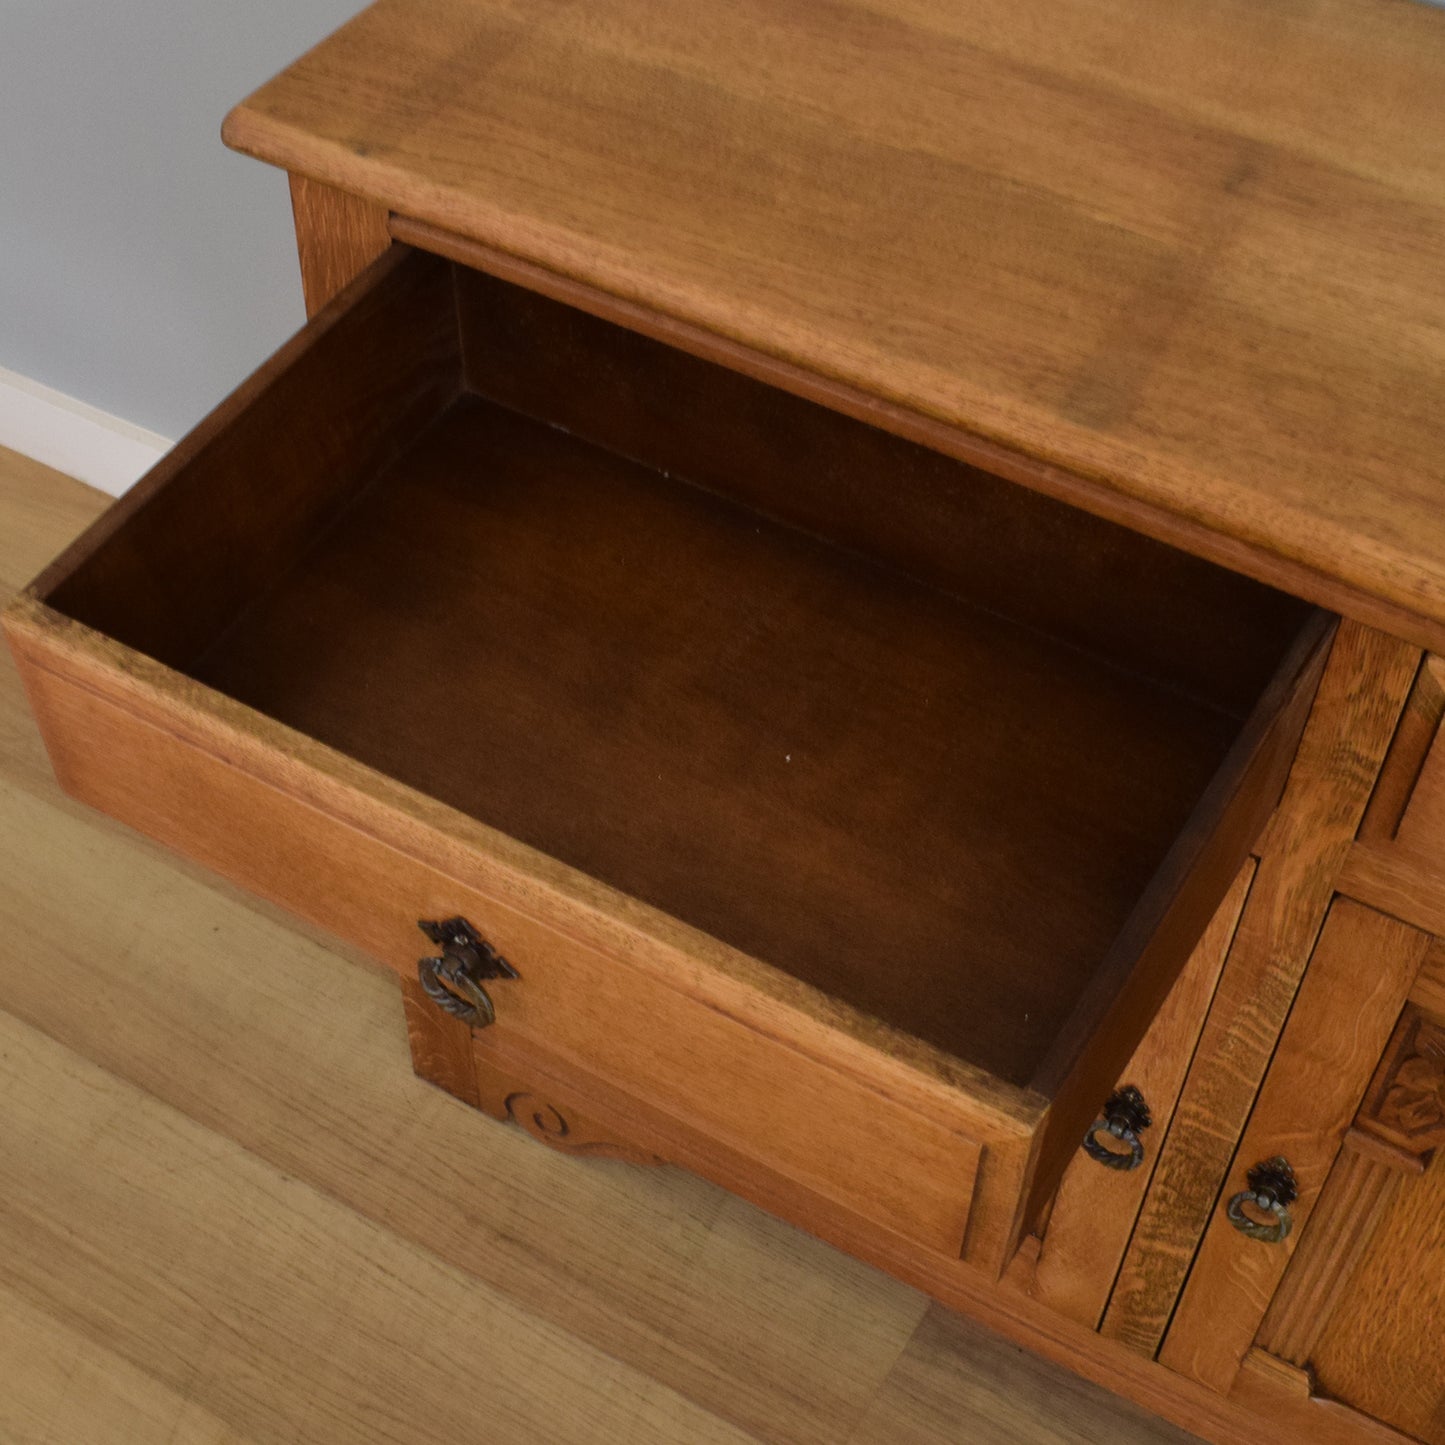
[1272,1189]
[454,981]
[1125,1117]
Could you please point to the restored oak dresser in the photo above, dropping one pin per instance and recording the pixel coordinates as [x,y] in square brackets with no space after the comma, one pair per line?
[853,596]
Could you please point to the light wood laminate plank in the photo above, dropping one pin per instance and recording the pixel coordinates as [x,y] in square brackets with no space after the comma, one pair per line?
[62,1386]
[111,1221]
[959,1382]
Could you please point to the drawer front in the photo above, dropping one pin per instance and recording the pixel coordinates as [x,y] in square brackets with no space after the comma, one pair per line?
[1420,832]
[757,1095]
[1398,861]
[575,1112]
[720,1077]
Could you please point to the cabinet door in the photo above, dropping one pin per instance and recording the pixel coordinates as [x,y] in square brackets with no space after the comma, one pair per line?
[1340,1025]
[1361,1306]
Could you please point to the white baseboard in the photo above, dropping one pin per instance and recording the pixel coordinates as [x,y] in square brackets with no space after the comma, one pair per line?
[73,437]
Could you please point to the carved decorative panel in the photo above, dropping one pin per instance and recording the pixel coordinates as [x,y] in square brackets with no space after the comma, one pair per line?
[1405,1103]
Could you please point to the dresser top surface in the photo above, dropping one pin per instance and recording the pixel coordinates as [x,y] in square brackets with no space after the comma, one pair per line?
[1193,254]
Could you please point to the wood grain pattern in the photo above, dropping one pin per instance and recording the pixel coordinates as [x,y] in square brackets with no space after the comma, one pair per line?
[1338,1028]
[420,834]
[1419,725]
[231,1065]
[1397,863]
[780,1335]
[569,1132]
[935,1388]
[441,1046]
[1364,688]
[1094,1213]
[62,1385]
[1382,1151]
[277,1253]
[337,237]
[1007,1307]
[1378,1349]
[764,679]
[1288,1378]
[1380,874]
[650,1128]
[1169,267]
[876,863]
[44,511]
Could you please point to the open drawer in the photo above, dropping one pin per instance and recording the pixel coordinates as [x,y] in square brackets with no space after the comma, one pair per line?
[764,744]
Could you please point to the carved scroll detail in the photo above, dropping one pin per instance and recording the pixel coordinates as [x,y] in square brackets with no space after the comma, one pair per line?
[547,1124]
[1405,1103]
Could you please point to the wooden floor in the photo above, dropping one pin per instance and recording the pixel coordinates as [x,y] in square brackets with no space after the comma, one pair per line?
[229,1213]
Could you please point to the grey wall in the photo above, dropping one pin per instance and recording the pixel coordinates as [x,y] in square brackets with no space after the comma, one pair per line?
[144,268]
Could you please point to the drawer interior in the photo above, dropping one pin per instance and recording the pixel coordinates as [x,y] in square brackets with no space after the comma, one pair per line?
[916,735]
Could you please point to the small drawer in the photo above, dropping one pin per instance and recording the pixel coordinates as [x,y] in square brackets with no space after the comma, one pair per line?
[1407,807]
[848,805]
[1398,861]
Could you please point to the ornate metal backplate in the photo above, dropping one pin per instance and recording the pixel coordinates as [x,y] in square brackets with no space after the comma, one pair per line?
[1125,1118]
[454,980]
[1272,1189]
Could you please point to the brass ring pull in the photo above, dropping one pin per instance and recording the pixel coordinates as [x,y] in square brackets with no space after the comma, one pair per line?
[454,981]
[1125,1117]
[459,995]
[1272,1189]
